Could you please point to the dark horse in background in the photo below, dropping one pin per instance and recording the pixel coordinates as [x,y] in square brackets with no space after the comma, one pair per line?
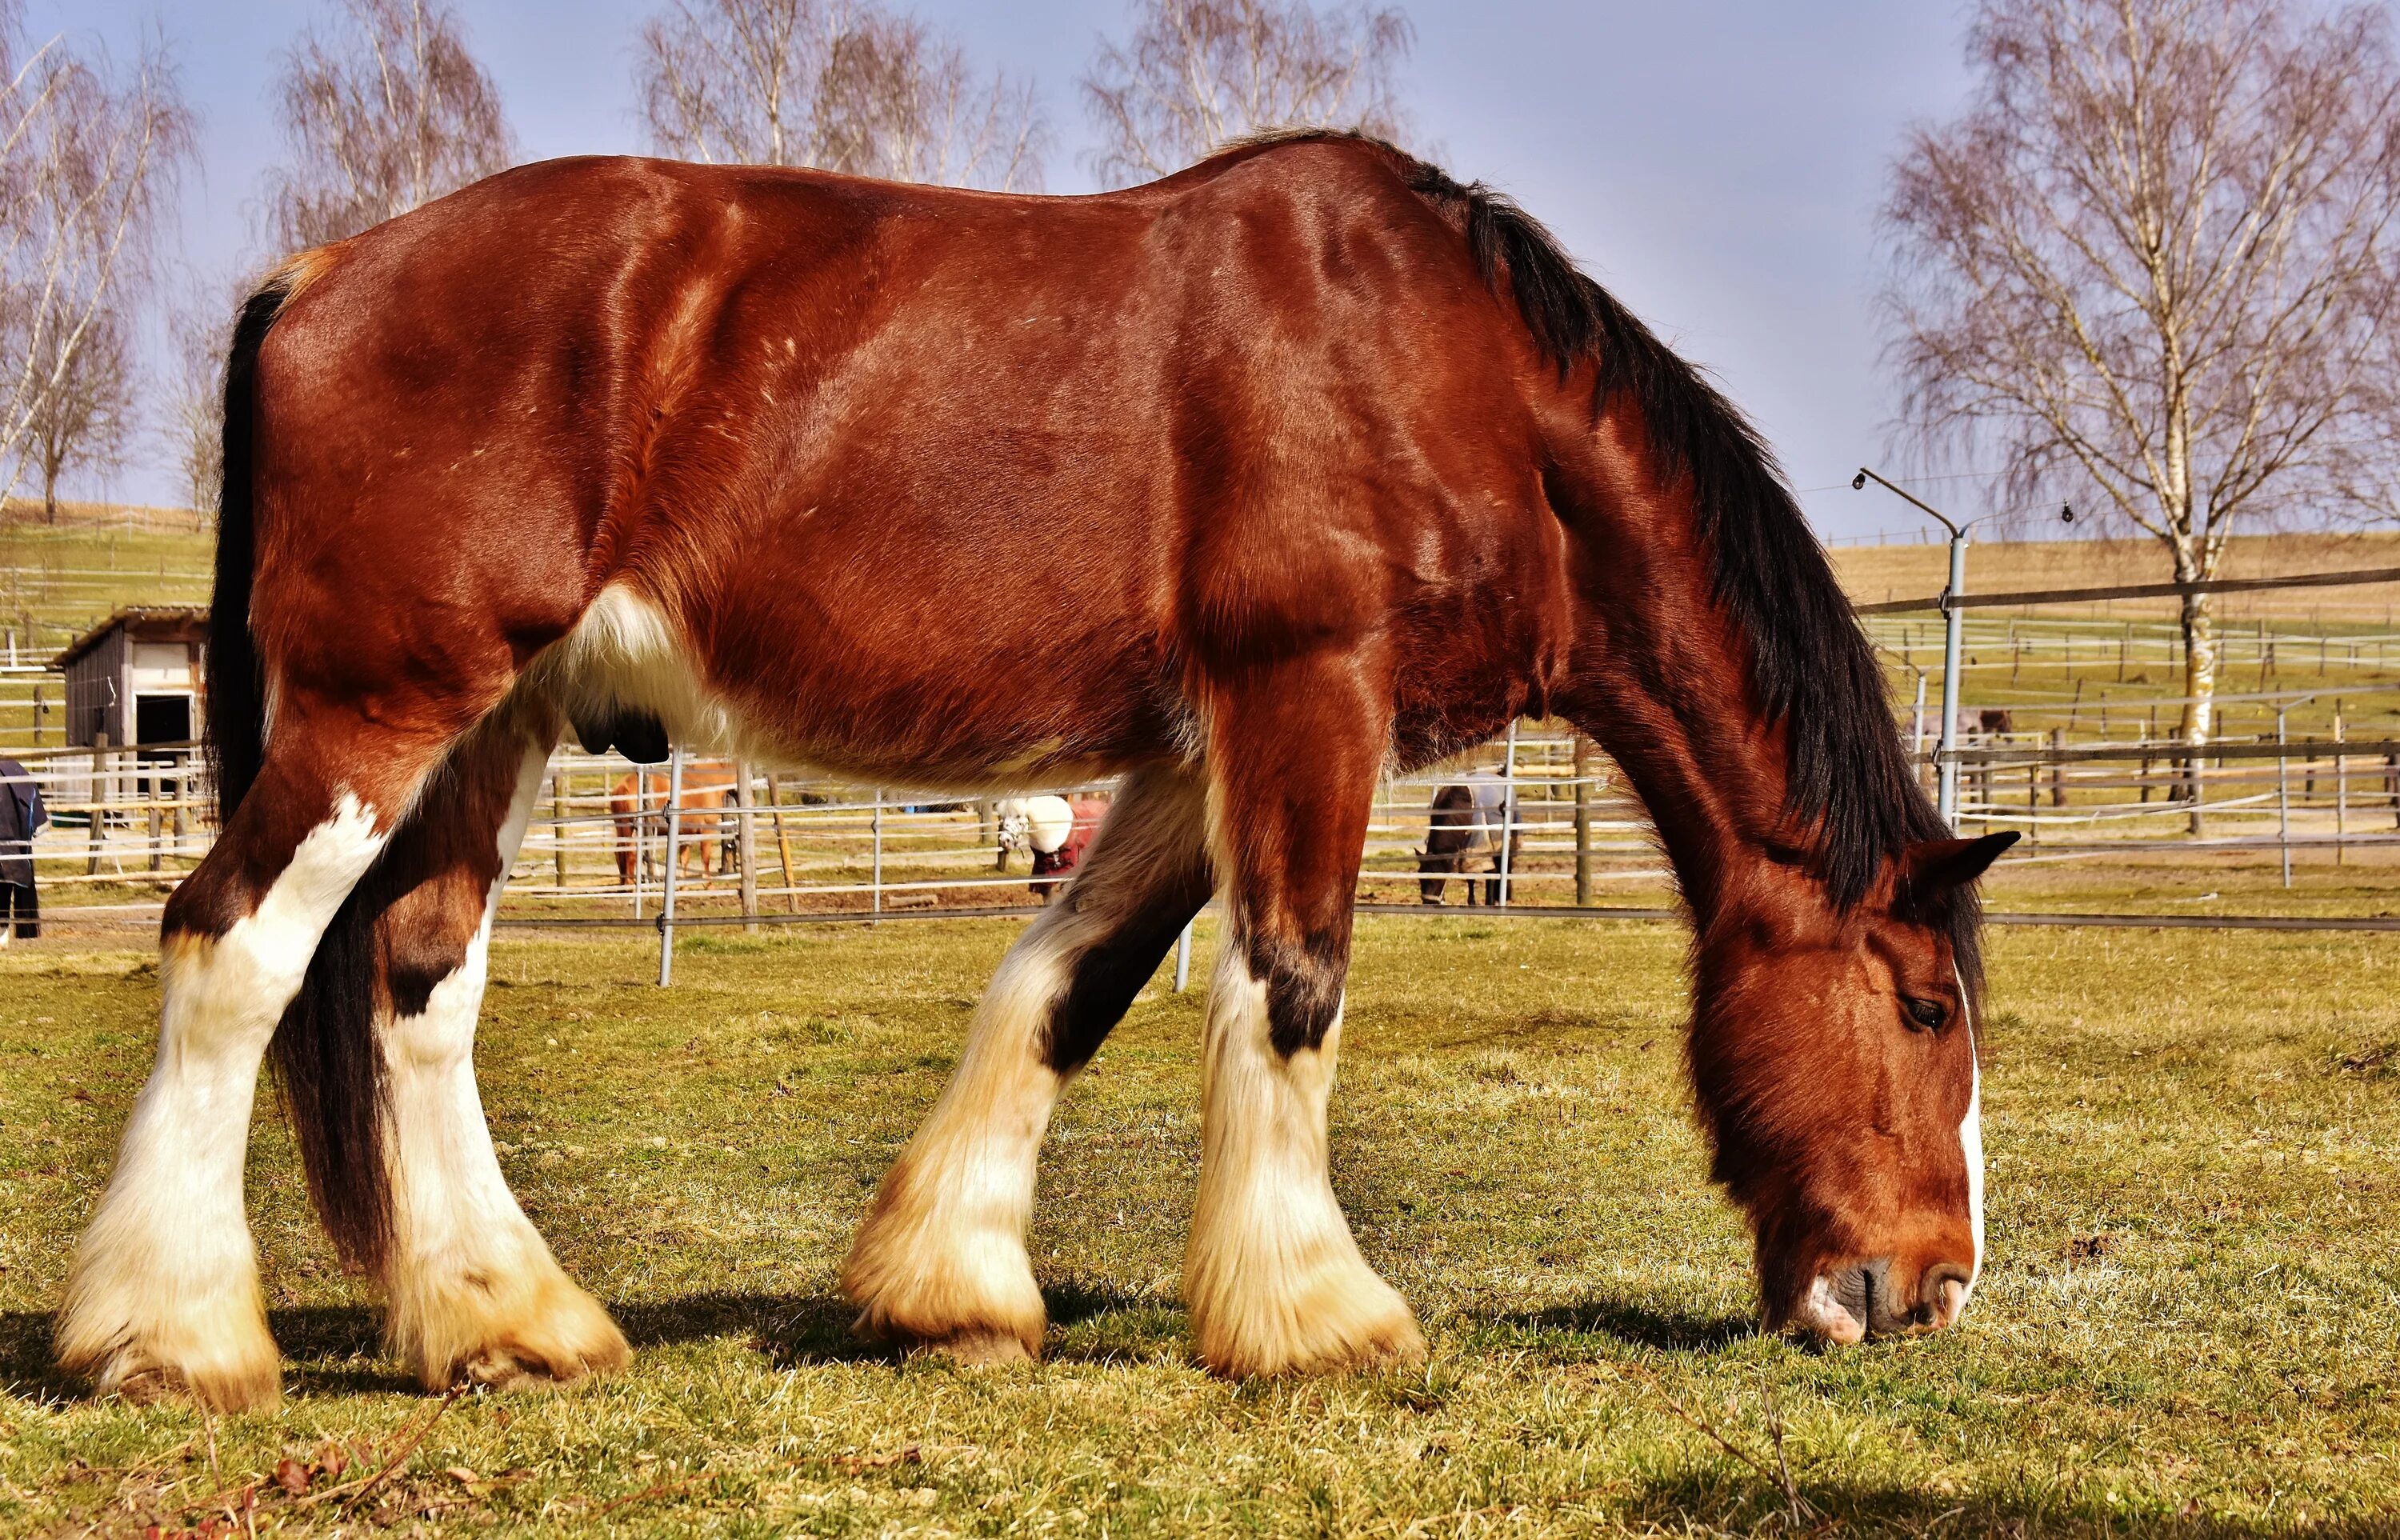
[1467,821]
[1355,467]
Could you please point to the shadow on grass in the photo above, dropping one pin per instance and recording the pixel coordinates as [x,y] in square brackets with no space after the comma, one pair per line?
[1746,1505]
[336,1350]
[1633,1322]
[329,1350]
[793,1329]
[790,1329]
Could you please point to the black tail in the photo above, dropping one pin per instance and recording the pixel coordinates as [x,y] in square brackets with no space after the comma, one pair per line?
[326,1057]
[237,698]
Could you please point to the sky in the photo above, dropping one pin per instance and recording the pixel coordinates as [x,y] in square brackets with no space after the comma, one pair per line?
[1716,163]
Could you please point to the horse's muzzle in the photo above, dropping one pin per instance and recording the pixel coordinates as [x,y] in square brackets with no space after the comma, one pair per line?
[1865,1300]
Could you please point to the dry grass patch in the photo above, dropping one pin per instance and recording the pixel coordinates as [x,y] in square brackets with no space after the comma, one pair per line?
[2192,1325]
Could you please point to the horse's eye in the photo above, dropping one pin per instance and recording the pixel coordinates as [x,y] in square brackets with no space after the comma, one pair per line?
[1924,1014]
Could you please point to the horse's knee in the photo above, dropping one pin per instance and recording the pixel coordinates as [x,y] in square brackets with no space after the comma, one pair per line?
[1304,981]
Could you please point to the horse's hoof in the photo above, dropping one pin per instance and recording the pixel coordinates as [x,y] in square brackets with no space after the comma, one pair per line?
[973,1349]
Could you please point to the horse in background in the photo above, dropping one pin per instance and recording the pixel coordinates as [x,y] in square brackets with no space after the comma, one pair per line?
[1055,831]
[707,788]
[1466,822]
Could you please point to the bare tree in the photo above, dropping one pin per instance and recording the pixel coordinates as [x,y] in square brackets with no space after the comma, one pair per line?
[388,112]
[1197,73]
[2154,262]
[87,167]
[86,421]
[839,84]
[199,331]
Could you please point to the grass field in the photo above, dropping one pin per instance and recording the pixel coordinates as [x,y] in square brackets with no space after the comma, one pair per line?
[2191,1325]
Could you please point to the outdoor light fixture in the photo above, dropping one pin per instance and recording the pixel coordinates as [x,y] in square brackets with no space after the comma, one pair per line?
[1944,758]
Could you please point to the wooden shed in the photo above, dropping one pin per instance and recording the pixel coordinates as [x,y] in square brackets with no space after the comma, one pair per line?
[136,677]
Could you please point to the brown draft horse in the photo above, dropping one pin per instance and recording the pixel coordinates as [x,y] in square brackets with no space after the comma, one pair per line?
[707,792]
[1354,466]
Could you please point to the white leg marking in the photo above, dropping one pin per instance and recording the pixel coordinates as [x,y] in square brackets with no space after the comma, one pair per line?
[1272,1278]
[165,1288]
[472,1288]
[941,1258]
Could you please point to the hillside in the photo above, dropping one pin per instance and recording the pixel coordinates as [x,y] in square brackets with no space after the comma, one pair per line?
[1880,572]
[57,580]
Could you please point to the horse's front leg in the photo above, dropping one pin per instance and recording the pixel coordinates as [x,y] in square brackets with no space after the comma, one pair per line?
[1273,1280]
[940,1262]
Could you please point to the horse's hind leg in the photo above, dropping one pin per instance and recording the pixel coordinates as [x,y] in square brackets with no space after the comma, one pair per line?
[473,1292]
[1272,1278]
[164,1293]
[940,1261]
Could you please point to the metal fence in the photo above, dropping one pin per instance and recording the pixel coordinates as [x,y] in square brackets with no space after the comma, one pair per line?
[2085,765]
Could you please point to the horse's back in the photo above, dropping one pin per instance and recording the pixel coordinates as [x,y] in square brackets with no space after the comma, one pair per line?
[812,425]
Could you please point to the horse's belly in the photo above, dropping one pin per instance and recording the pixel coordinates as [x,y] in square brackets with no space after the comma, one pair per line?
[862,701]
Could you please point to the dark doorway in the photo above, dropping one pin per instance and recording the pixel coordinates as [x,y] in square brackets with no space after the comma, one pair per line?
[162,719]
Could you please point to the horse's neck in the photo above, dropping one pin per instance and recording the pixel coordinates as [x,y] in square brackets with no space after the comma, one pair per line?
[1658,676]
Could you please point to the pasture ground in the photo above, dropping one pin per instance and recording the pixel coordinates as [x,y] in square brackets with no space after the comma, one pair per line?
[2191,1325]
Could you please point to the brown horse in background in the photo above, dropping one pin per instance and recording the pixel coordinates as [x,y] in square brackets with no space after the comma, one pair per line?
[1351,467]
[707,792]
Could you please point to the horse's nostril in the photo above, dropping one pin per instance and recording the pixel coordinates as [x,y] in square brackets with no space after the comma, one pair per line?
[1943,1293]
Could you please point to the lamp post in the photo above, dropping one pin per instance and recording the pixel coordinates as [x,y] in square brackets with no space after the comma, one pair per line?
[1944,760]
[1945,765]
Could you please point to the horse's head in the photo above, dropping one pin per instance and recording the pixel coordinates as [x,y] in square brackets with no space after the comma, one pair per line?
[1833,1058]
[1431,887]
[1016,827]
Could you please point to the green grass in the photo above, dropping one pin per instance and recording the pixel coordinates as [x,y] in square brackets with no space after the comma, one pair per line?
[2191,1322]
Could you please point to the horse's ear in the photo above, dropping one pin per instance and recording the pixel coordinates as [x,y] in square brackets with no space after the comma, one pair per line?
[1934,866]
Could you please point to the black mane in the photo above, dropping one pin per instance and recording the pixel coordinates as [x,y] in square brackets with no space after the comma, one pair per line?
[1813,668]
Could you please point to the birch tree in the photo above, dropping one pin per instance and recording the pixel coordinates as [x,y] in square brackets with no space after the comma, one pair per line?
[2154,262]
[86,418]
[199,331]
[1198,73]
[838,84]
[89,161]
[387,111]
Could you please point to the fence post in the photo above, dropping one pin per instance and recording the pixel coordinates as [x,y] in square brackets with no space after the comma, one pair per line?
[558,828]
[2058,767]
[667,883]
[641,834]
[1946,768]
[1183,958]
[1583,818]
[879,851]
[782,842]
[98,798]
[745,845]
[2283,799]
[1916,719]
[1507,809]
[2340,791]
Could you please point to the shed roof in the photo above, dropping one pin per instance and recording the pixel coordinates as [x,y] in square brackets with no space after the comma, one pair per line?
[142,623]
